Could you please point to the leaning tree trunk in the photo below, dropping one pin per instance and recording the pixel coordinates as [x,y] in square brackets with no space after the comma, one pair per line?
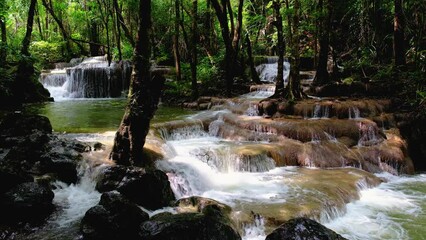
[398,34]
[120,19]
[64,32]
[144,96]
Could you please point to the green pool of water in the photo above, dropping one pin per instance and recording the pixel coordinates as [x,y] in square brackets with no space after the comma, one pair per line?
[91,116]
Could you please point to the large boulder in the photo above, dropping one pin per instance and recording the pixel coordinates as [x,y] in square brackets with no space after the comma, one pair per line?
[303,229]
[114,218]
[211,224]
[150,189]
[28,202]
[114,176]
[18,124]
[27,148]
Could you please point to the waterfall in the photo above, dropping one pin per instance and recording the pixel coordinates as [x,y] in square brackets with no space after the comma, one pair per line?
[90,78]
[354,113]
[268,71]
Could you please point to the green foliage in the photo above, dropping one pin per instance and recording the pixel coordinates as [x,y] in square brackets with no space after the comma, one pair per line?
[47,52]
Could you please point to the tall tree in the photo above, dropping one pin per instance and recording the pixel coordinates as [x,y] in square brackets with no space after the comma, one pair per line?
[176,51]
[293,90]
[194,49]
[144,96]
[25,87]
[3,43]
[67,38]
[278,22]
[398,34]
[30,20]
[322,77]
[231,34]
[120,19]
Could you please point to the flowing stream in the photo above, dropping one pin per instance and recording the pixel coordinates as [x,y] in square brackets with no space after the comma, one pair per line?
[201,162]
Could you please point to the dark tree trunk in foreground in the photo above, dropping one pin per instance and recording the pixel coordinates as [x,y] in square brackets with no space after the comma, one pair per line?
[144,95]
[398,34]
[278,22]
[322,76]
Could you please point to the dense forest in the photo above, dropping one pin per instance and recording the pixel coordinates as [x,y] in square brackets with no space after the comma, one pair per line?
[240,119]
[214,45]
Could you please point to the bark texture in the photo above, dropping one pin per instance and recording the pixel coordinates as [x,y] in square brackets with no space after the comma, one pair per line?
[144,95]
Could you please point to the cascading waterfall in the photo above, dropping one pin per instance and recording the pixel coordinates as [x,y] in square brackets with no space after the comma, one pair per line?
[354,113]
[321,111]
[268,71]
[91,78]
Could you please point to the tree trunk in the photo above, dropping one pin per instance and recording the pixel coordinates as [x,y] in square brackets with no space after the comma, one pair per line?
[322,76]
[3,46]
[94,45]
[64,32]
[24,87]
[118,38]
[30,20]
[144,95]
[398,34]
[230,38]
[292,91]
[176,43]
[194,41]
[120,18]
[279,82]
[253,72]
[39,23]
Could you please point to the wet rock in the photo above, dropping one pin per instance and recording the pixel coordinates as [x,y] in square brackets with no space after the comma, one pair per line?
[114,218]
[198,204]
[115,176]
[210,224]
[19,124]
[27,147]
[97,146]
[10,177]
[303,229]
[267,108]
[28,202]
[150,189]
